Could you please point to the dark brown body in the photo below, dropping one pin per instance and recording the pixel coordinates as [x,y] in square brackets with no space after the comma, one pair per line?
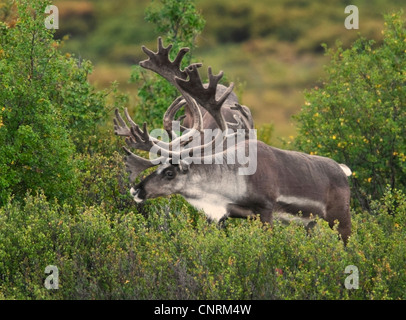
[298,183]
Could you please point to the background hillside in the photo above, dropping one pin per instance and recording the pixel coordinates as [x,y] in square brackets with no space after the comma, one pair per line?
[270,49]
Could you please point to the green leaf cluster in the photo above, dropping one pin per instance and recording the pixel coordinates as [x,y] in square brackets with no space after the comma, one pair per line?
[48,109]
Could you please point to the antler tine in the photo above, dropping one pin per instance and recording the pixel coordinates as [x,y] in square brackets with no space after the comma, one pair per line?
[127,115]
[120,127]
[160,63]
[206,96]
[135,137]
[135,164]
[140,139]
[213,82]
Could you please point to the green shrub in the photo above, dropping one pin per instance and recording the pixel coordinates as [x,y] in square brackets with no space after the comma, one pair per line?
[172,252]
[103,181]
[358,116]
[35,147]
[48,109]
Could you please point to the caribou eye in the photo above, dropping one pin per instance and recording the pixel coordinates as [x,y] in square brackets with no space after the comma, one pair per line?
[169,174]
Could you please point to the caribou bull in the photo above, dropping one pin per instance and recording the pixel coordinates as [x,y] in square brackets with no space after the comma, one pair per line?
[284,182]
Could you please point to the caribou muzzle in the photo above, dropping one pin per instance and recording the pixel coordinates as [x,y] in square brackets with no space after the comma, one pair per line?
[138,194]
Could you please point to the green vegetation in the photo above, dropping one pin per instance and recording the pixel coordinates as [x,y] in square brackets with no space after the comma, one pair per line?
[35,147]
[173,253]
[64,190]
[48,109]
[358,116]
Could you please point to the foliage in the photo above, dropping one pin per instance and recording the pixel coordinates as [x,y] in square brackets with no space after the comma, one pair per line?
[35,147]
[120,27]
[178,20]
[48,109]
[264,133]
[171,252]
[103,182]
[358,116]
[180,23]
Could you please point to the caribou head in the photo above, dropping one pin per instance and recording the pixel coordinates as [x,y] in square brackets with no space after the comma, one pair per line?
[231,174]
[215,124]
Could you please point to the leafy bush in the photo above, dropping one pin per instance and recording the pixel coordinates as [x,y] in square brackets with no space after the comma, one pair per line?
[103,182]
[358,116]
[35,147]
[48,109]
[172,252]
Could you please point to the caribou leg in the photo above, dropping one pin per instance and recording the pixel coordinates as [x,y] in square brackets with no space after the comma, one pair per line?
[236,211]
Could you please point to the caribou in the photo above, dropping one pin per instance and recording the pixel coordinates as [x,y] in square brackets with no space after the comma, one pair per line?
[283,183]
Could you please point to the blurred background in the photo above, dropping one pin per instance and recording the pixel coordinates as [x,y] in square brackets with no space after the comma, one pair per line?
[270,49]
